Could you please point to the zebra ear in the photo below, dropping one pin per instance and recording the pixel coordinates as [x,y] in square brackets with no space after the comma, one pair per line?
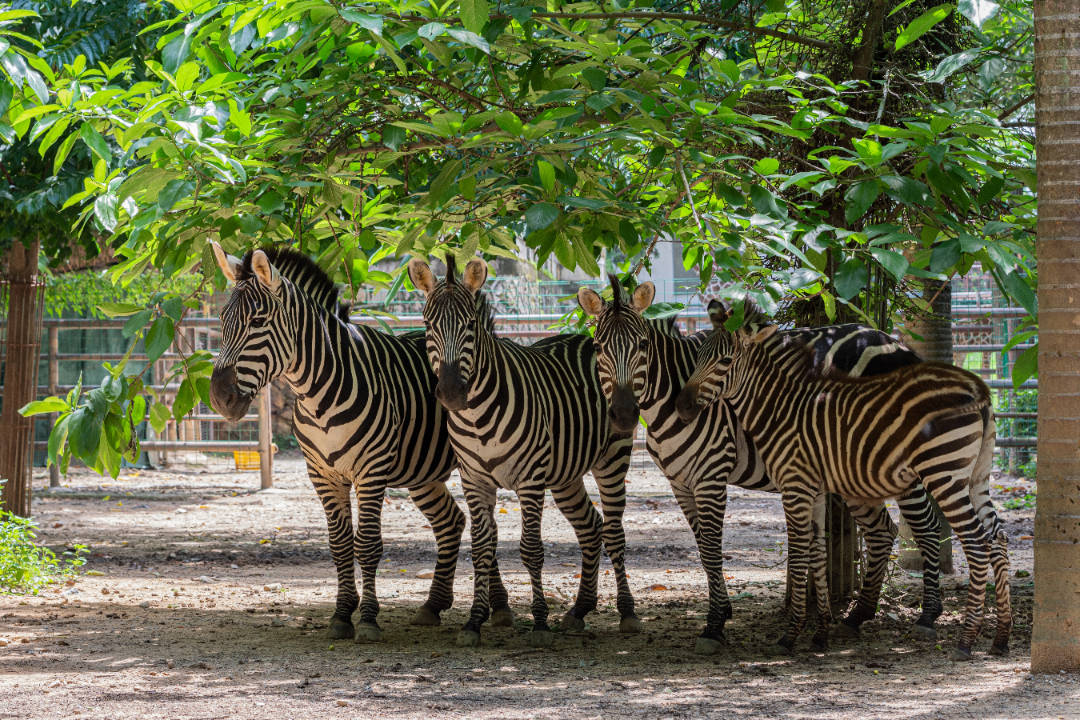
[642,296]
[749,337]
[476,273]
[718,313]
[266,272]
[589,301]
[421,276]
[229,264]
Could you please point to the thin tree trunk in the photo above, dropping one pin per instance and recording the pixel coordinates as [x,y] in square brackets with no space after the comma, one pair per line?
[935,345]
[1055,639]
[21,344]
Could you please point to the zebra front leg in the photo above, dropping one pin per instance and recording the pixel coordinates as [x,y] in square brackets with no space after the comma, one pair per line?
[369,549]
[798,513]
[610,476]
[710,500]
[501,614]
[447,523]
[577,508]
[334,494]
[481,501]
[532,556]
[955,502]
[879,532]
[922,518]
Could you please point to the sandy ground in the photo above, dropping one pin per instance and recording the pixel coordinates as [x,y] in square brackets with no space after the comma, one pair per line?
[205,598]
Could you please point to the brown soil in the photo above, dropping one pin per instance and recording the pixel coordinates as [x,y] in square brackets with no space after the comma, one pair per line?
[208,599]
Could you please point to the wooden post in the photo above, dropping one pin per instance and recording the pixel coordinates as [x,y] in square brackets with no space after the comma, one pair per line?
[54,381]
[266,457]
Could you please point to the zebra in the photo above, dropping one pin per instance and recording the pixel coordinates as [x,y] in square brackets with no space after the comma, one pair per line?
[644,363]
[527,419]
[365,418]
[866,439]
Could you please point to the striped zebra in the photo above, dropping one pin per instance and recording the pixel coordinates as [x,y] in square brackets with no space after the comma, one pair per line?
[527,419]
[865,439]
[365,418]
[644,363]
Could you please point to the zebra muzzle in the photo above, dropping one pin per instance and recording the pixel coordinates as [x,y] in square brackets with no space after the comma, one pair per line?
[623,410]
[686,404]
[452,390]
[225,396]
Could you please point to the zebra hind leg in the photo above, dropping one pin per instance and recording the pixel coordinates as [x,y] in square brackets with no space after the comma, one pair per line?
[819,575]
[447,523]
[532,556]
[369,549]
[574,503]
[798,513]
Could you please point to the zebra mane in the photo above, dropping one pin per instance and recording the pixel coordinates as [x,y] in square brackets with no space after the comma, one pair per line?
[616,291]
[302,272]
[485,311]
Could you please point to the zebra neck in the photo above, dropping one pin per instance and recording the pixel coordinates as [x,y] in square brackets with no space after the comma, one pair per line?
[323,342]
[671,363]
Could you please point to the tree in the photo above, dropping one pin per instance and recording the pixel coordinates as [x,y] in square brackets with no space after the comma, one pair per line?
[767,139]
[1055,640]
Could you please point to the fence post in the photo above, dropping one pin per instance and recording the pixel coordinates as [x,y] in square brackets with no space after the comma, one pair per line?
[54,380]
[266,458]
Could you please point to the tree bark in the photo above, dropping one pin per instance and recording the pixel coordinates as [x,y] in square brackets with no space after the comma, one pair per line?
[1055,639]
[21,344]
[936,345]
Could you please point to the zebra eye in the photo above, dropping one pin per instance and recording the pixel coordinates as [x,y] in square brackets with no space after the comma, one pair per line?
[258,321]
[644,344]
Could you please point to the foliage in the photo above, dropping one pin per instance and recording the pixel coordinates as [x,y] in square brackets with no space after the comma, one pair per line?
[817,151]
[25,566]
[84,293]
[1020,401]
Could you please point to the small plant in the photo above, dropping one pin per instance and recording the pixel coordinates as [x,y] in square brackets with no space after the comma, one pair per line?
[26,566]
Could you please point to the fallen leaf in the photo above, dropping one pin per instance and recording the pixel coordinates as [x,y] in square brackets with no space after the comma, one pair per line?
[658,586]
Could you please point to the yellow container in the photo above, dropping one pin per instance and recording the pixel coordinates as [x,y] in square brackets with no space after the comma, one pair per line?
[246,459]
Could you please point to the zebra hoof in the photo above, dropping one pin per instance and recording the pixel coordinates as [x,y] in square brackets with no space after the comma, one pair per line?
[1000,649]
[425,616]
[708,645]
[468,638]
[630,625]
[541,638]
[961,654]
[341,629]
[927,632]
[368,633]
[785,644]
[845,629]
[502,617]
[572,623]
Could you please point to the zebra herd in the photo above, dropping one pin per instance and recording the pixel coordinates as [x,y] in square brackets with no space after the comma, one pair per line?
[843,409]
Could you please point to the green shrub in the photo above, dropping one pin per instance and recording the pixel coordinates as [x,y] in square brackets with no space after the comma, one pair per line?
[25,566]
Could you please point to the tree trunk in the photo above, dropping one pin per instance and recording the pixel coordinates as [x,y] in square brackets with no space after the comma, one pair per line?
[20,366]
[936,345]
[1055,639]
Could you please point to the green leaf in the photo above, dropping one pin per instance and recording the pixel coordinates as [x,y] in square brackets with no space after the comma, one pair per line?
[595,77]
[58,438]
[176,52]
[829,302]
[474,14]
[851,277]
[977,11]
[766,203]
[921,25]
[185,400]
[374,23]
[159,415]
[1019,338]
[509,122]
[540,215]
[859,199]
[174,308]
[470,38]
[767,166]
[137,322]
[1020,291]
[946,255]
[48,405]
[115,309]
[950,65]
[95,141]
[547,174]
[1026,366]
[393,136]
[159,337]
[893,262]
[84,434]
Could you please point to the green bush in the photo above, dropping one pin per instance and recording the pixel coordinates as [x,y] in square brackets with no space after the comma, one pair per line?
[25,566]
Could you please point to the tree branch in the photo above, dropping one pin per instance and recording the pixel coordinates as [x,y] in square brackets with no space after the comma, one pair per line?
[1013,108]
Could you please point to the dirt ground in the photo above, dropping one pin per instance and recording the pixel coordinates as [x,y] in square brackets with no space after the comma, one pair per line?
[205,598]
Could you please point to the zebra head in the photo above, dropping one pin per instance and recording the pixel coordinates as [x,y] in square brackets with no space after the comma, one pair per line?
[721,362]
[455,312]
[622,348]
[257,337]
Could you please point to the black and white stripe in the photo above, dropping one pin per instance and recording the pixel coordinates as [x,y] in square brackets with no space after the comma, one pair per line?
[866,439]
[366,419]
[643,365]
[528,419]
